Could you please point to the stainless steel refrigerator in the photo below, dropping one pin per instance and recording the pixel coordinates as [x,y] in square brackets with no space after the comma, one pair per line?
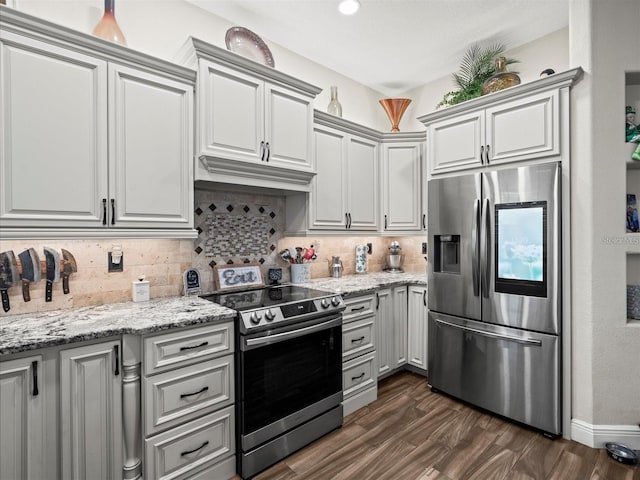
[495,291]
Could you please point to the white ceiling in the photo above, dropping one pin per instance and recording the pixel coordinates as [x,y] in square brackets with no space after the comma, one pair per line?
[392,46]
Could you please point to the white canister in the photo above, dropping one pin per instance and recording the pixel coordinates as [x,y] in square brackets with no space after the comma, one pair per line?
[140,290]
[361,258]
[300,273]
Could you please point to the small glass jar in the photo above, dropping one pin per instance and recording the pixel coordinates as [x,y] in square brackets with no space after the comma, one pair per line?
[334,107]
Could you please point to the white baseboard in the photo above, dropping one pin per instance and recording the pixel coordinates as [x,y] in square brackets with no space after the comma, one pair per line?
[596,436]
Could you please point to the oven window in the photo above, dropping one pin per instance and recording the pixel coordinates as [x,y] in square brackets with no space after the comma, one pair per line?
[282,378]
[521,248]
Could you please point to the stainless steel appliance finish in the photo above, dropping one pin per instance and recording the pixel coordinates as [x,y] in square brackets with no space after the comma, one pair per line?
[289,371]
[495,291]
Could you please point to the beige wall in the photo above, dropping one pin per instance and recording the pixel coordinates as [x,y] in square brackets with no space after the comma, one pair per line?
[605,41]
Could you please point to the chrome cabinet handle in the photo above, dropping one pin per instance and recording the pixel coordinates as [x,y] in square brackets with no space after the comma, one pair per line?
[191,347]
[104,211]
[349,220]
[355,309]
[385,222]
[268,147]
[34,374]
[113,211]
[424,221]
[185,395]
[262,151]
[424,298]
[188,452]
[377,300]
[358,377]
[357,340]
[481,153]
[486,153]
[346,221]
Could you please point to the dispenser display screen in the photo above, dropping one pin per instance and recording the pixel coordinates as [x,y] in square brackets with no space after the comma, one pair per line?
[520,249]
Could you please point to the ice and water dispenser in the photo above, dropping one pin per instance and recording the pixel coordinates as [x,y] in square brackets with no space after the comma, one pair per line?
[446,253]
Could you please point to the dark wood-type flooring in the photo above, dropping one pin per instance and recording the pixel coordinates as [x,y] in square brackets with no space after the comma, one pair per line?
[410,433]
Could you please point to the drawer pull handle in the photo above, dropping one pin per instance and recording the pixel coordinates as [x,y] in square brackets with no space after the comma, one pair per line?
[203,389]
[355,309]
[359,377]
[191,347]
[188,452]
[34,371]
[357,340]
[116,352]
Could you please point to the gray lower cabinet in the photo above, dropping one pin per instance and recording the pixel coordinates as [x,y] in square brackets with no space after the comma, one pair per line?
[359,373]
[417,319]
[61,414]
[391,329]
[187,405]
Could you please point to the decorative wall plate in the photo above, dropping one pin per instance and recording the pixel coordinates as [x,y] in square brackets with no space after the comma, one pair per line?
[246,43]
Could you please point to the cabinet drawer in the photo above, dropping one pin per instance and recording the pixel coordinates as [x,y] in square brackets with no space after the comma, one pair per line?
[358,307]
[357,338]
[193,446]
[359,374]
[179,395]
[184,347]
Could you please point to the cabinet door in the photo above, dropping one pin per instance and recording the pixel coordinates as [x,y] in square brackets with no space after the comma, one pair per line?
[523,129]
[288,128]
[399,326]
[454,143]
[231,114]
[53,135]
[327,203]
[384,330]
[417,327]
[362,184]
[151,180]
[91,412]
[401,185]
[22,430]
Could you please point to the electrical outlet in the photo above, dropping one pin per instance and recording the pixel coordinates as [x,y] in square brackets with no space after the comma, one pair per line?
[112,266]
[370,248]
[424,248]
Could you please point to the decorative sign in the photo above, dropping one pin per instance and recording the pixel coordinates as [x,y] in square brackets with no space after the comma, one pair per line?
[191,280]
[229,277]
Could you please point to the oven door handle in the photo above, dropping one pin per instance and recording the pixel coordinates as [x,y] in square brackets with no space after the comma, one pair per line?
[281,337]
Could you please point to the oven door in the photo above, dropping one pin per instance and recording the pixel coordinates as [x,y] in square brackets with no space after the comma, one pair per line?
[288,377]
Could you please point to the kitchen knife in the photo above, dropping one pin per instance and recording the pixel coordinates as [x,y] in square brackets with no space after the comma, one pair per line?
[31,271]
[8,276]
[69,266]
[52,259]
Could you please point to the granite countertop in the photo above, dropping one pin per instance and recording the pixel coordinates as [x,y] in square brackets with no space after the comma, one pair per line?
[361,284]
[19,333]
[24,332]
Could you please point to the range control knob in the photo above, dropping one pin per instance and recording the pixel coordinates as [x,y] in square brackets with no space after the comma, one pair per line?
[269,315]
[324,303]
[255,317]
[335,301]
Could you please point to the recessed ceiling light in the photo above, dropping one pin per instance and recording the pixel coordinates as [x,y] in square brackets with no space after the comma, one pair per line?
[349,7]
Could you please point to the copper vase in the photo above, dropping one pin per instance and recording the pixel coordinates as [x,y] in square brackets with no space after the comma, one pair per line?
[395,108]
[108,27]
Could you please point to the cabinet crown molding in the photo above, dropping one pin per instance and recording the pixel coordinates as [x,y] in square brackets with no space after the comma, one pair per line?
[195,49]
[15,21]
[347,126]
[557,80]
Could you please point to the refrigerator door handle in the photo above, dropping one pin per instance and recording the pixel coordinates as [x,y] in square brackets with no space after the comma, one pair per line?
[524,341]
[484,248]
[475,244]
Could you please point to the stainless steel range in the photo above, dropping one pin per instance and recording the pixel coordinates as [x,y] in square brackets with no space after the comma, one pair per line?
[289,371]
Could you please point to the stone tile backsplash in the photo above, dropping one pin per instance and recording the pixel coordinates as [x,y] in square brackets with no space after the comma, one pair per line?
[232,227]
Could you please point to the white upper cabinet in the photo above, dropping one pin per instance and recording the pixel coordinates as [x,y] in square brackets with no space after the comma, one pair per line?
[96,138]
[401,178]
[254,123]
[345,193]
[522,123]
